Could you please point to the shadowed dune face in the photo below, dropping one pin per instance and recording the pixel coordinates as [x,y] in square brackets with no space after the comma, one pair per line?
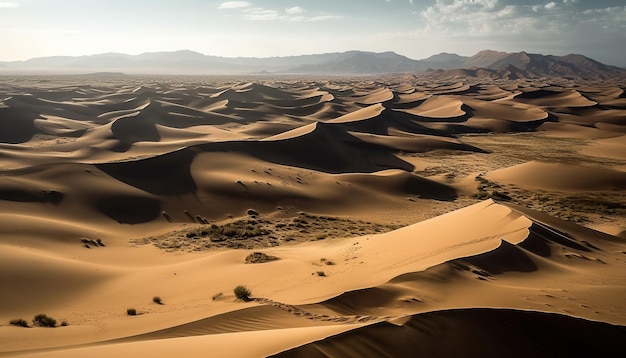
[375,196]
[129,209]
[475,332]
[17,125]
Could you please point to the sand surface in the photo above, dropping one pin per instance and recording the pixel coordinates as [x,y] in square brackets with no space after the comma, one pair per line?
[390,216]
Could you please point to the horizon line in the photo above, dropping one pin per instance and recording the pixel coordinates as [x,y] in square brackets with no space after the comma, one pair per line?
[282,56]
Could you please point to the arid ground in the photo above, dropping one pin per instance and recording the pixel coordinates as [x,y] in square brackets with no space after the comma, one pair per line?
[389,216]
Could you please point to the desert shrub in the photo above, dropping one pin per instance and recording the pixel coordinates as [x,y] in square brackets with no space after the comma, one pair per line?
[321,273]
[242,293]
[259,257]
[64,324]
[157,300]
[19,322]
[252,212]
[229,231]
[481,195]
[43,320]
[131,311]
[500,196]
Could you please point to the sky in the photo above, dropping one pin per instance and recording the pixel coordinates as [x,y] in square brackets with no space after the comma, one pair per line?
[264,28]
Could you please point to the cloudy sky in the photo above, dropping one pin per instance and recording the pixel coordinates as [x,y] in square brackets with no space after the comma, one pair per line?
[263,28]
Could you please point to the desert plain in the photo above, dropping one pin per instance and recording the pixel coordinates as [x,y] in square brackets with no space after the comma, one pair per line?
[392,216]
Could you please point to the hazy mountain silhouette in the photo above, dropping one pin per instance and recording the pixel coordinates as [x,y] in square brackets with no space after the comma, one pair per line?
[492,63]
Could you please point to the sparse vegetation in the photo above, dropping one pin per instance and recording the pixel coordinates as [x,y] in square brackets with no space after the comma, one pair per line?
[131,311]
[64,324]
[252,212]
[43,320]
[252,231]
[19,322]
[88,243]
[157,300]
[242,293]
[321,273]
[490,190]
[577,207]
[259,257]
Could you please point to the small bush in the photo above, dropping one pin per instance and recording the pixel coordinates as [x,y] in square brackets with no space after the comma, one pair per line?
[321,273]
[259,258]
[252,212]
[64,324]
[500,196]
[242,293]
[43,320]
[157,300]
[19,322]
[131,311]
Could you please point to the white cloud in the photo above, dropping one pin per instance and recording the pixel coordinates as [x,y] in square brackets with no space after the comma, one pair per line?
[234,4]
[290,14]
[325,18]
[468,18]
[8,5]
[260,14]
[558,25]
[294,10]
[550,5]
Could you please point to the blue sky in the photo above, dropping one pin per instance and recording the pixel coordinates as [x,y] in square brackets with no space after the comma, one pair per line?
[263,28]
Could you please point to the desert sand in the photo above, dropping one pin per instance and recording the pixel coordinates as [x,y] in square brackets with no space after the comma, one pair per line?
[390,216]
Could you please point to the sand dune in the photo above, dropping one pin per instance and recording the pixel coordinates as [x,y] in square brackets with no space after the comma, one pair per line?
[439,107]
[392,230]
[445,333]
[559,176]
[608,148]
[545,97]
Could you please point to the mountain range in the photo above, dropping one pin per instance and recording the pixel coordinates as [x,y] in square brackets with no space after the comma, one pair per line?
[484,63]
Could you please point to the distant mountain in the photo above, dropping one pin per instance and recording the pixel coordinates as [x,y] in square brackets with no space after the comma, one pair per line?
[360,62]
[537,65]
[177,62]
[490,63]
[445,57]
[483,59]
[444,60]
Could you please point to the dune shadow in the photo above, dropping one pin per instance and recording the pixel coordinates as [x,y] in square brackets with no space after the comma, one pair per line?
[167,174]
[31,196]
[17,125]
[479,332]
[127,209]
[507,257]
